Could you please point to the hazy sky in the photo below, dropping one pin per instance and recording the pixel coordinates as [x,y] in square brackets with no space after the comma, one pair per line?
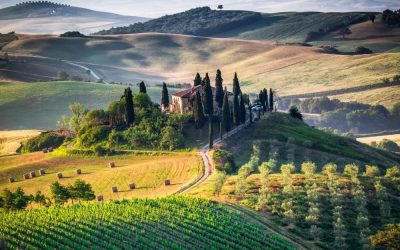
[156,8]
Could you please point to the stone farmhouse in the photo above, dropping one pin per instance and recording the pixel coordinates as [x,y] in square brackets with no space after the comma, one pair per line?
[180,102]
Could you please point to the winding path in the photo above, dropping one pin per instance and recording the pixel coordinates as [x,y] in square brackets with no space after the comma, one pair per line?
[91,72]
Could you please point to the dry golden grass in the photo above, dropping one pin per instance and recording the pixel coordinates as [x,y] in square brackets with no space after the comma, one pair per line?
[147,172]
[384,96]
[10,140]
[260,64]
[368,140]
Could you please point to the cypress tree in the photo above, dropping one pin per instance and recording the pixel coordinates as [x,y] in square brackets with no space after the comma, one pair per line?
[219,91]
[198,113]
[129,109]
[142,87]
[164,96]
[206,80]
[207,96]
[226,113]
[236,85]
[262,99]
[265,95]
[271,100]
[197,80]
[242,110]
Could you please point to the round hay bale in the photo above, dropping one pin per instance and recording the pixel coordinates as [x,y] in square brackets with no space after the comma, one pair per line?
[26,176]
[167,182]
[42,171]
[100,198]
[45,150]
[50,149]
[132,186]
[11,179]
[111,165]
[114,189]
[32,174]
[78,171]
[59,175]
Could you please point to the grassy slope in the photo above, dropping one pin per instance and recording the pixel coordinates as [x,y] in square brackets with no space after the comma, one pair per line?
[174,222]
[288,69]
[272,135]
[147,172]
[10,140]
[40,105]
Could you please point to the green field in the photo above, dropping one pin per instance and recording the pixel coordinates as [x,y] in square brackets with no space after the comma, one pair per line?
[40,105]
[170,223]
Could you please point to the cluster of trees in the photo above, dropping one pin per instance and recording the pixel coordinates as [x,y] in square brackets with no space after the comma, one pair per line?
[18,200]
[40,4]
[391,18]
[44,140]
[201,21]
[266,99]
[134,121]
[348,116]
[386,145]
[72,34]
[306,206]
[228,113]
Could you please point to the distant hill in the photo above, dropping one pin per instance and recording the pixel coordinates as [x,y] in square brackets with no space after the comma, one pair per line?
[290,27]
[47,17]
[199,21]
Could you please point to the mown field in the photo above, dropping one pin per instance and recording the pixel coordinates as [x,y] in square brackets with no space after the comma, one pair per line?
[173,223]
[288,69]
[10,140]
[394,137]
[147,171]
[40,105]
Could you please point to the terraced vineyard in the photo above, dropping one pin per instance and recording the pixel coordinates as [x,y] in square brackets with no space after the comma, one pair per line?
[173,223]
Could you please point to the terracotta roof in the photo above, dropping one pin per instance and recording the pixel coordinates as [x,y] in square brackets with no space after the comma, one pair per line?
[188,92]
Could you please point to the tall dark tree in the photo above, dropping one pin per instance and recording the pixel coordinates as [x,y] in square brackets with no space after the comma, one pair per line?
[210,132]
[242,110]
[205,81]
[208,102]
[271,100]
[164,96]
[219,91]
[266,103]
[226,113]
[236,85]
[198,113]
[142,87]
[197,80]
[129,110]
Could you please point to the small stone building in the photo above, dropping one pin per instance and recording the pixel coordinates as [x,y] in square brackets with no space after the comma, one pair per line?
[180,102]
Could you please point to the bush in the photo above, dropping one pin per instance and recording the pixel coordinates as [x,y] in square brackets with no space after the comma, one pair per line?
[223,161]
[388,145]
[72,34]
[362,50]
[89,136]
[171,139]
[44,140]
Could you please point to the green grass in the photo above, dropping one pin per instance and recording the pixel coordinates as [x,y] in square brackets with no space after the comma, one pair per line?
[40,105]
[293,141]
[173,223]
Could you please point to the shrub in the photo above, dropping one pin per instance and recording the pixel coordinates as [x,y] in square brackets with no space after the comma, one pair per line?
[223,160]
[72,34]
[171,139]
[362,50]
[89,136]
[295,113]
[44,140]
[388,145]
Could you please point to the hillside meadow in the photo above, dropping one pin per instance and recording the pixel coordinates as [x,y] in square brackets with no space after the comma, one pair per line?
[10,140]
[288,69]
[147,171]
[40,105]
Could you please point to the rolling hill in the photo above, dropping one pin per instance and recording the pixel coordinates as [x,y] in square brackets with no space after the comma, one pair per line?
[52,18]
[175,58]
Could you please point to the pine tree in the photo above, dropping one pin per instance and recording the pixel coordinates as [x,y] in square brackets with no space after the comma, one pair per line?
[271,100]
[226,113]
[129,109]
[198,113]
[197,80]
[219,91]
[242,110]
[142,87]
[208,102]
[164,96]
